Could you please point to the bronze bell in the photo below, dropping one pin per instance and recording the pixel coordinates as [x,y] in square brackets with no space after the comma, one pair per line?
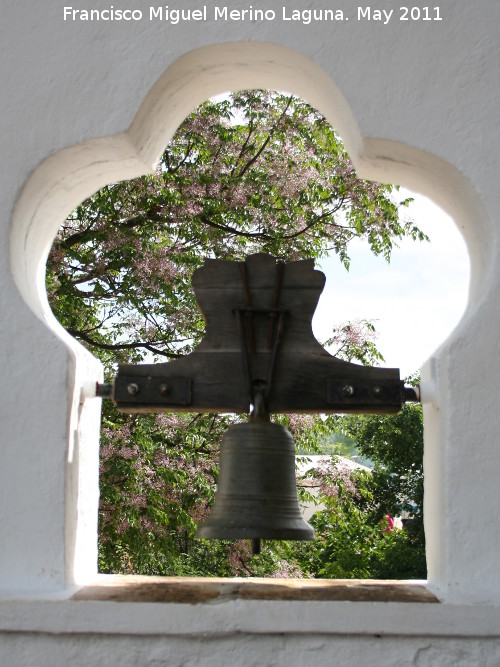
[257,494]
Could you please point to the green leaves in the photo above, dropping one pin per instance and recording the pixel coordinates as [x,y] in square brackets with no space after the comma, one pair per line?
[254,171]
[395,444]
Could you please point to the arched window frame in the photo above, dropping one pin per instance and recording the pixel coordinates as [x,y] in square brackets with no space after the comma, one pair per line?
[68,177]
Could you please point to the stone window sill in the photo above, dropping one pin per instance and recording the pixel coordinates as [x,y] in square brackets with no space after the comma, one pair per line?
[194,590]
[194,607]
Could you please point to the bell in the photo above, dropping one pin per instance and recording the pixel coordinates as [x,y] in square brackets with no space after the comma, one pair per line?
[256,495]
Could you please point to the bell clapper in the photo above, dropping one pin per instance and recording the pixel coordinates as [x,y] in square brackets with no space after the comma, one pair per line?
[256,546]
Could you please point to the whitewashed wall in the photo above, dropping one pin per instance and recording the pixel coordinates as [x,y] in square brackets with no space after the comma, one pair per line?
[84,103]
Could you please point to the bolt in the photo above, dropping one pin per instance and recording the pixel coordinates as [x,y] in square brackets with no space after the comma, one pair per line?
[164,389]
[348,390]
[377,392]
[133,388]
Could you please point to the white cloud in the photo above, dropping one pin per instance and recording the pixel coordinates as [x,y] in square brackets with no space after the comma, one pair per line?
[417,300]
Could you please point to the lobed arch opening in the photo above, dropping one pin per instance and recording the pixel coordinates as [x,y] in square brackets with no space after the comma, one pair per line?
[68,177]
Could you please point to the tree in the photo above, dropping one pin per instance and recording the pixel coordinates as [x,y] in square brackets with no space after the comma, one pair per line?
[354,536]
[352,541]
[255,171]
[396,445]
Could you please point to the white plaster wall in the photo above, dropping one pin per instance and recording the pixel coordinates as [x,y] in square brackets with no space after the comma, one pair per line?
[276,651]
[248,633]
[415,103]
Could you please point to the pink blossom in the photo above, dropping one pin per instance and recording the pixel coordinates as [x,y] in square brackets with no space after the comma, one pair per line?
[170,422]
[332,477]
[237,555]
[298,423]
[388,522]
[286,570]
[156,266]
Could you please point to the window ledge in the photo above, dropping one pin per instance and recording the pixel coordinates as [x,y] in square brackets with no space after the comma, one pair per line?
[198,590]
[194,607]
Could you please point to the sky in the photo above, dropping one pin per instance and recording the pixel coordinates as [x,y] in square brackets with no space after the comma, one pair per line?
[414,302]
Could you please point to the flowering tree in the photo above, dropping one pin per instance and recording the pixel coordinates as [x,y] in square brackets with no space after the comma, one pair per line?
[256,171]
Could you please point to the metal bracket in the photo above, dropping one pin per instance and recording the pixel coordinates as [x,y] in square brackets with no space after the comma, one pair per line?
[151,392]
[365,395]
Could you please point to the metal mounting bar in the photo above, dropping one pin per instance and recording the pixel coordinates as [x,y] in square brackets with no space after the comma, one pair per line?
[135,392]
[342,396]
[301,378]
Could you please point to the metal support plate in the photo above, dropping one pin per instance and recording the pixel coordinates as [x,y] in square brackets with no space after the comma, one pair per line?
[364,394]
[136,391]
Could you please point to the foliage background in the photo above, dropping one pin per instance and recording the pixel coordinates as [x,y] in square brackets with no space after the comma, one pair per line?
[255,171]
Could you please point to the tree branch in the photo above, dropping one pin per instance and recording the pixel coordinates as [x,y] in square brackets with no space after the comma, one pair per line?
[120,346]
[268,139]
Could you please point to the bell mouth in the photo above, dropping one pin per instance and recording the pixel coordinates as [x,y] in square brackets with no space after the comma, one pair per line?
[254,524]
[233,531]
